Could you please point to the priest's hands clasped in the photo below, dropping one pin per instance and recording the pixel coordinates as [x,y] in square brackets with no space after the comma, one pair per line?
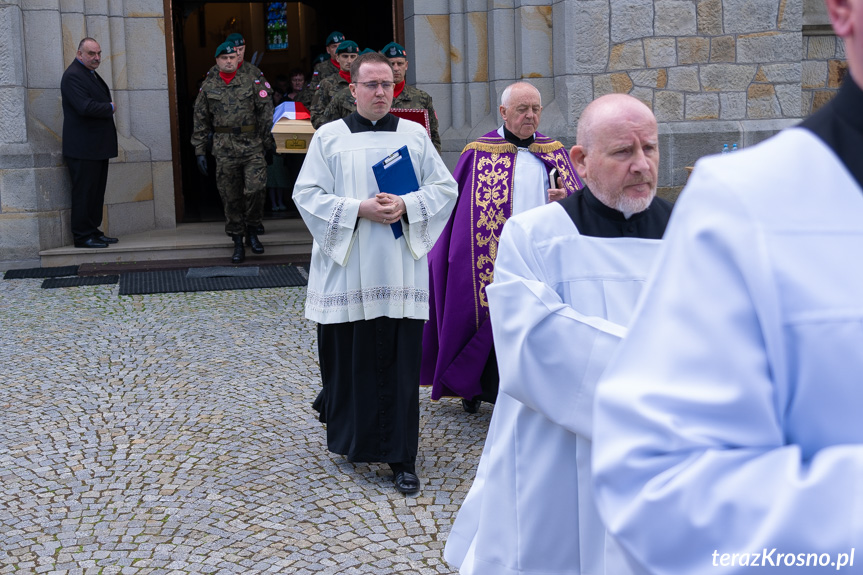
[383,208]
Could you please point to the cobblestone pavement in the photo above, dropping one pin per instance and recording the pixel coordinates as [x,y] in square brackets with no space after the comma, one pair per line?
[174,433]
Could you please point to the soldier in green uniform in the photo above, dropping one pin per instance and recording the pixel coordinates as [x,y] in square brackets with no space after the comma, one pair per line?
[346,53]
[409,97]
[341,106]
[238,110]
[244,67]
[330,67]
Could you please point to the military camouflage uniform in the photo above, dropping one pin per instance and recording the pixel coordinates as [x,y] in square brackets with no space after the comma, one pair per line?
[324,95]
[247,69]
[341,106]
[326,69]
[416,99]
[240,114]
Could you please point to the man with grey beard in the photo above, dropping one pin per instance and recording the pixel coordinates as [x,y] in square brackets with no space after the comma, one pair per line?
[617,157]
[560,302]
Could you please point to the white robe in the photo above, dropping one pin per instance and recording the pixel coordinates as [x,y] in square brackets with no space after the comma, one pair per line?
[530,181]
[559,304]
[359,271]
[731,420]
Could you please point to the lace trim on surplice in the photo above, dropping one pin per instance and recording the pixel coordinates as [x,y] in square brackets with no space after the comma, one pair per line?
[325,302]
[332,234]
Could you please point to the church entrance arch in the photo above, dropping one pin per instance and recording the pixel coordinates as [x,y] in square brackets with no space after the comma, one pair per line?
[197,28]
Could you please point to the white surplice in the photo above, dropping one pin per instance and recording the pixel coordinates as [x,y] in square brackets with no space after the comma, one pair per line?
[730,420]
[530,180]
[359,270]
[559,305]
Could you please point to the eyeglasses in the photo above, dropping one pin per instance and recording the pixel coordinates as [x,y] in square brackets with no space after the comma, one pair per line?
[374,85]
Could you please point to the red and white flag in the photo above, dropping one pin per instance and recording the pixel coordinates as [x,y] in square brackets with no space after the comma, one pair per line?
[291,111]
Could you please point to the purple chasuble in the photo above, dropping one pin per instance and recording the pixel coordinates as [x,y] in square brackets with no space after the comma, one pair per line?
[457,338]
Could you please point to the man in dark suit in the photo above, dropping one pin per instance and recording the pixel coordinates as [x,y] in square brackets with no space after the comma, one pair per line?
[89,141]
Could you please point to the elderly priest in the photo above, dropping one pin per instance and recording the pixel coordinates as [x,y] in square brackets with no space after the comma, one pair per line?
[507,171]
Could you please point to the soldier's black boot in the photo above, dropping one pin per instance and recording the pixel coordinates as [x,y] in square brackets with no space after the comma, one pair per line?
[239,251]
[252,240]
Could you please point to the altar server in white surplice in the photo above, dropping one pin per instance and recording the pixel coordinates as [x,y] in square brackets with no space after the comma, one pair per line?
[728,429]
[368,289]
[567,277]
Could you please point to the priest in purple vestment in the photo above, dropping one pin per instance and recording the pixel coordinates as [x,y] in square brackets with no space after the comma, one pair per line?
[505,172]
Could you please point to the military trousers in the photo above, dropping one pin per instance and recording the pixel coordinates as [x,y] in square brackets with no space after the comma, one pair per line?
[242,183]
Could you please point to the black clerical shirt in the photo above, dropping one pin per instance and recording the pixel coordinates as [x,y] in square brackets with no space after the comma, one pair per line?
[357,123]
[519,142]
[839,123]
[593,218]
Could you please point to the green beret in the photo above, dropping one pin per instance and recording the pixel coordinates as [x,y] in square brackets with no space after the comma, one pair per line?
[321,58]
[236,39]
[393,50]
[366,51]
[225,48]
[335,38]
[348,47]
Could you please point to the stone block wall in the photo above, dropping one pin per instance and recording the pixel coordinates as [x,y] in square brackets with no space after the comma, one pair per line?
[713,71]
[824,68]
[38,40]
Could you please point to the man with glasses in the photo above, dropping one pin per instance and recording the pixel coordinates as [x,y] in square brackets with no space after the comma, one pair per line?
[368,286]
[507,171]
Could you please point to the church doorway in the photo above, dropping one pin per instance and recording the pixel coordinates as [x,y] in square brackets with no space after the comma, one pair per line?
[197,28]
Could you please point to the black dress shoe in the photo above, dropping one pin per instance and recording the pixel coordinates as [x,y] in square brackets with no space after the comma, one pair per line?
[406,482]
[260,229]
[471,405]
[105,239]
[91,243]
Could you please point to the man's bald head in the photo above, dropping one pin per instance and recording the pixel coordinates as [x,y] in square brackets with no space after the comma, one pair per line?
[617,153]
[521,109]
[604,109]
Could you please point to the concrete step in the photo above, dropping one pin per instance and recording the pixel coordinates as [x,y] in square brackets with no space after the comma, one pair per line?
[197,241]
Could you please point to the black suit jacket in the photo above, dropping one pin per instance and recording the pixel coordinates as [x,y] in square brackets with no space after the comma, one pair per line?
[88,119]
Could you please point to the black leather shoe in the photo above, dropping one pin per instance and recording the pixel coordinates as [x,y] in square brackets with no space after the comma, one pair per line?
[471,405]
[406,482]
[106,239]
[260,229]
[91,243]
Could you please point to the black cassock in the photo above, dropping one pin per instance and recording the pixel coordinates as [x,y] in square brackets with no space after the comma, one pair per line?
[370,400]
[370,374]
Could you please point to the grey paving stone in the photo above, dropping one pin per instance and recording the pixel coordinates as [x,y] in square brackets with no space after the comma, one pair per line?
[173,434]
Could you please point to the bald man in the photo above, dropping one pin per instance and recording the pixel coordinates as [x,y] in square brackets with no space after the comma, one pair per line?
[566,281]
[507,171]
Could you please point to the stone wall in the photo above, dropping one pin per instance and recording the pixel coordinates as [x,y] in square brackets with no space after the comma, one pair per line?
[713,71]
[824,68]
[38,40]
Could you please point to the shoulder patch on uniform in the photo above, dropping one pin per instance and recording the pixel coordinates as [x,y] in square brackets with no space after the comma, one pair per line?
[262,93]
[267,84]
[257,81]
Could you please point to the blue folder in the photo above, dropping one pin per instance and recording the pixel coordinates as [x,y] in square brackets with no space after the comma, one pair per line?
[395,175]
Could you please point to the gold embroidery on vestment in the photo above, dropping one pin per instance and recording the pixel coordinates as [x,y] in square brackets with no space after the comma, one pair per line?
[490,195]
